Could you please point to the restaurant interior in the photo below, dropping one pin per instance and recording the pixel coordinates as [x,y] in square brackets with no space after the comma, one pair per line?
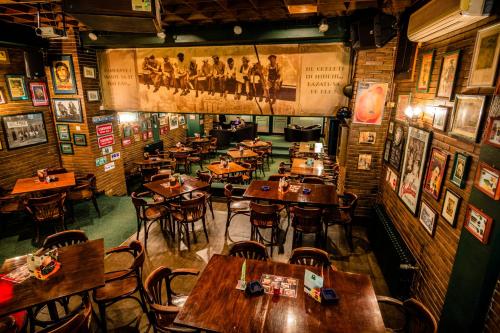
[249,166]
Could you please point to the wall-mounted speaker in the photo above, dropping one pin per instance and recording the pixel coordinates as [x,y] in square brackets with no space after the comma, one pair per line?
[34,64]
[371,29]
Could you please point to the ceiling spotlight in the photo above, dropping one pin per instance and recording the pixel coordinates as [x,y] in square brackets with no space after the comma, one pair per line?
[237,30]
[323,25]
[161,35]
[92,36]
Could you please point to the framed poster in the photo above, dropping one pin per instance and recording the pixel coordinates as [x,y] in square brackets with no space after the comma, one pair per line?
[387,150]
[467,114]
[63,75]
[367,137]
[182,120]
[392,179]
[391,128]
[451,205]
[39,95]
[424,75]
[68,110]
[63,132]
[440,118]
[461,164]
[66,148]
[79,139]
[2,98]
[89,72]
[487,180]
[447,74]
[485,58]
[364,161]
[93,96]
[397,146]
[16,87]
[427,218]
[4,57]
[404,100]
[370,103]
[413,167]
[492,136]
[24,130]
[435,172]
[173,121]
[478,223]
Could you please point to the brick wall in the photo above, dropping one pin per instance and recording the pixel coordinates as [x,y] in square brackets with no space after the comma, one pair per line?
[492,324]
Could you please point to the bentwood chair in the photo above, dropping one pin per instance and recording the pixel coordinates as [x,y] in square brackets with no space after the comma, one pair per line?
[416,317]
[164,303]
[342,215]
[236,204]
[148,212]
[187,213]
[249,250]
[213,146]
[77,322]
[263,217]
[284,168]
[56,171]
[195,158]
[62,239]
[46,209]
[306,221]
[84,190]
[236,179]
[182,160]
[207,178]
[313,180]
[10,204]
[122,284]
[275,178]
[310,256]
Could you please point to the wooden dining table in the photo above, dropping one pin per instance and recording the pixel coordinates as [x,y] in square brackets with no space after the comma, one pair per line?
[82,269]
[30,185]
[152,161]
[215,304]
[162,187]
[317,148]
[231,168]
[299,167]
[254,144]
[180,149]
[245,153]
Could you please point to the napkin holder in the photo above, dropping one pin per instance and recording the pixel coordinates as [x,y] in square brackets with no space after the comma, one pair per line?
[254,288]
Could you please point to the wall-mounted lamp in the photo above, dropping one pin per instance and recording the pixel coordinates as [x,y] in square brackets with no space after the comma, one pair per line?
[161,35]
[237,30]
[323,26]
[413,112]
[92,36]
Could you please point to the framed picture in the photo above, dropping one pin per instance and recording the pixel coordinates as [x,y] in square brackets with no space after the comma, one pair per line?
[367,137]
[93,95]
[63,132]
[173,121]
[24,130]
[66,148]
[17,87]
[39,95]
[428,218]
[182,120]
[467,113]
[424,75]
[79,139]
[364,161]
[478,223]
[447,74]
[68,110]
[89,72]
[404,101]
[461,164]
[387,150]
[493,132]
[392,179]
[2,98]
[485,58]
[391,128]
[63,75]
[370,103]
[4,57]
[451,205]
[435,172]
[397,145]
[487,180]
[440,118]
[413,167]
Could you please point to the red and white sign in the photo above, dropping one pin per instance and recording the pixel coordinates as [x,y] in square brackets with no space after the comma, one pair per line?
[104,129]
[126,142]
[104,141]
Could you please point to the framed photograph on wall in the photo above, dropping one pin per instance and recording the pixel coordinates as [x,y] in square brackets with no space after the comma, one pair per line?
[447,74]
[487,180]
[391,128]
[413,167]
[93,95]
[425,72]
[89,72]
[2,97]
[68,110]
[485,58]
[478,223]
[387,150]
[404,100]
[364,161]
[397,146]
[461,164]
[440,118]
[4,57]
[451,205]
[66,148]
[63,75]
[492,136]
[367,137]
[173,121]
[370,103]
[436,170]
[39,95]
[24,130]
[79,139]
[467,114]
[182,120]
[63,132]
[17,87]
[427,218]
[392,179]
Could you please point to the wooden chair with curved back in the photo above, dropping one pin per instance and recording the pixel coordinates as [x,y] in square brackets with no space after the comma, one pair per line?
[417,318]
[236,179]
[264,217]
[236,204]
[249,250]
[275,178]
[207,178]
[85,189]
[306,221]
[62,239]
[284,168]
[148,213]
[188,212]
[182,160]
[10,204]
[56,171]
[164,303]
[313,180]
[74,323]
[309,256]
[247,175]
[342,215]
[45,209]
[195,157]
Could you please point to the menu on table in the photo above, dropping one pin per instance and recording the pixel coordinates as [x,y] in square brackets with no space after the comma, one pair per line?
[287,285]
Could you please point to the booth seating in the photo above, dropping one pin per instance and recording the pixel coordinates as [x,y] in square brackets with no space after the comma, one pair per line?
[295,133]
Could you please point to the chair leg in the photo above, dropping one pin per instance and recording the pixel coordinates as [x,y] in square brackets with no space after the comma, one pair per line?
[186,227]
[195,239]
[102,315]
[204,227]
[348,234]
[138,228]
[228,220]
[211,208]
[94,201]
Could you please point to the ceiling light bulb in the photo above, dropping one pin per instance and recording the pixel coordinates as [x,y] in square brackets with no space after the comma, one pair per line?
[161,35]
[92,36]
[323,26]
[237,30]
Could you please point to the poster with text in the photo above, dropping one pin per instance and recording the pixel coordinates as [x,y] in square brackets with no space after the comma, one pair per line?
[370,102]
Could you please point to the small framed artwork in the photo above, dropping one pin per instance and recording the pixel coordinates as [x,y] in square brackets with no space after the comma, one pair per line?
[485,58]
[93,95]
[63,132]
[89,72]
[478,223]
[487,180]
[492,132]
[39,95]
[2,98]
[4,57]
[367,137]
[79,139]
[397,146]
[428,218]
[387,150]
[24,130]
[404,101]
[17,87]
[440,118]
[436,170]
[392,179]
[391,127]
[451,205]
[182,120]
[424,75]
[63,75]
[461,164]
[364,161]
[68,110]
[447,74]
[173,121]
[66,148]
[467,114]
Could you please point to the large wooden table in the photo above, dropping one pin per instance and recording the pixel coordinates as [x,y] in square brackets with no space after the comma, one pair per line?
[216,305]
[299,167]
[29,185]
[82,269]
[232,168]
[247,153]
[180,149]
[252,144]
[162,187]
[152,161]
[305,148]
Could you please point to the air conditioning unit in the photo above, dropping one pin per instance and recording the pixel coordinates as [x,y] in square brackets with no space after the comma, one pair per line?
[440,17]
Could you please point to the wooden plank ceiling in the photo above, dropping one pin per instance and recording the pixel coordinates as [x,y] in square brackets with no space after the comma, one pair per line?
[199,12]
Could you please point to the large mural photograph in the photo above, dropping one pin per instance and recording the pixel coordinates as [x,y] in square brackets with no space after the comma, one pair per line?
[289,79]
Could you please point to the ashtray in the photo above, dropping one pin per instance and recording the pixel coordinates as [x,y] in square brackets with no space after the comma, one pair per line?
[254,288]
[265,188]
[329,296]
[306,191]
